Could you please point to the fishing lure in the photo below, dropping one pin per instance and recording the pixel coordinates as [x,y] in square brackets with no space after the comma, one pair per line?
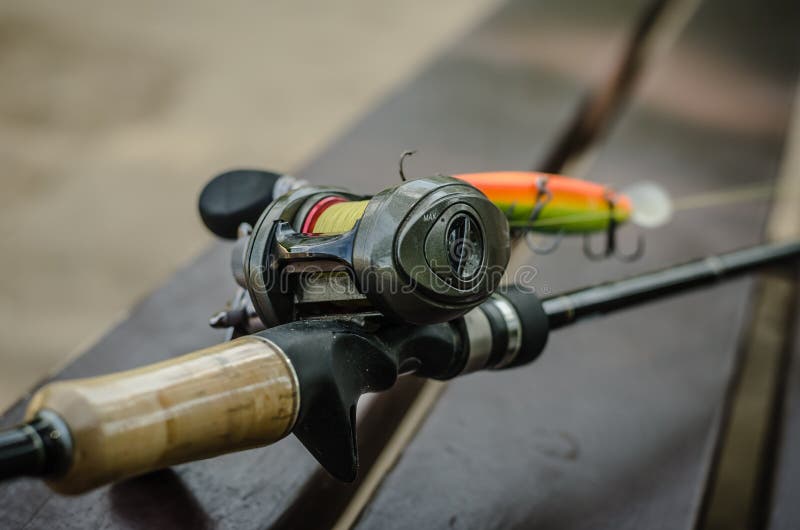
[561,205]
[552,203]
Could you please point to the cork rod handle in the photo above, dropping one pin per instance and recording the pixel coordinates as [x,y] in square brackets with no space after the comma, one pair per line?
[226,398]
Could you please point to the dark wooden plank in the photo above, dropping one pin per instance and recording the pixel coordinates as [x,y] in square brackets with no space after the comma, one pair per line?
[785,510]
[487,103]
[614,427]
[739,487]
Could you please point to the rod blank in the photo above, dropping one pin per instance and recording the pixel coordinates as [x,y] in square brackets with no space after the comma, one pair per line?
[566,308]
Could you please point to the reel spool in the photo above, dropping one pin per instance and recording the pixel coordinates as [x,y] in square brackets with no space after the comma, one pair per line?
[426,251]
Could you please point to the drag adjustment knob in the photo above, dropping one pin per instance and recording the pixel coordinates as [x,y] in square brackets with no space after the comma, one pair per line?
[454,247]
[236,197]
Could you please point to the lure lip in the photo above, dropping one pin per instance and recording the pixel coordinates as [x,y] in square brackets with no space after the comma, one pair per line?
[651,204]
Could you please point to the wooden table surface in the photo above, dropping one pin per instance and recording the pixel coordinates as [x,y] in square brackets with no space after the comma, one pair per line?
[615,427]
[785,511]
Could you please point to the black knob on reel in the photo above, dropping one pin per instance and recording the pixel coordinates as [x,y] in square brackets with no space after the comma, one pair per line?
[240,196]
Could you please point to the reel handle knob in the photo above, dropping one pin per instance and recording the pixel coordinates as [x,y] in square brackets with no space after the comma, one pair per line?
[237,197]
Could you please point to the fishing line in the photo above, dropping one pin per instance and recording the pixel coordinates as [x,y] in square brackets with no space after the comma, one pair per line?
[709,199]
[339,217]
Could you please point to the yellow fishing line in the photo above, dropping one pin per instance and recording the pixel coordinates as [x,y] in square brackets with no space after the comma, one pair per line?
[339,218]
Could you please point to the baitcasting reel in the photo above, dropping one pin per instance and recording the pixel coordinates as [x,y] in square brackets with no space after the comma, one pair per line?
[425,251]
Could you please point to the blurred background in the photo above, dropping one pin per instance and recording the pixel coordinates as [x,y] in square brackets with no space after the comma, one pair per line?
[114,114]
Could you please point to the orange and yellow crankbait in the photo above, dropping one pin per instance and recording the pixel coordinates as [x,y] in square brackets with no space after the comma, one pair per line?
[544,202]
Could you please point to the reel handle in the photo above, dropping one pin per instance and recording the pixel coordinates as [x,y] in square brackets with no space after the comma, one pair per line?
[229,397]
[239,196]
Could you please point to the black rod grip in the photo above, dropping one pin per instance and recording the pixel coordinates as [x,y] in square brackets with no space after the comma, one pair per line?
[20,453]
[40,447]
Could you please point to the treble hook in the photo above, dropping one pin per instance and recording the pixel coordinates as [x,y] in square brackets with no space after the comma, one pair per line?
[403,157]
[543,197]
[543,250]
[611,241]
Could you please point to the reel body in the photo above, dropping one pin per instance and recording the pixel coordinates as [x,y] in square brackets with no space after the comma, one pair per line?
[426,251]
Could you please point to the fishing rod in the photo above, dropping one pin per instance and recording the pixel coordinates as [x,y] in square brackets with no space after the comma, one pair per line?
[568,307]
[305,377]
